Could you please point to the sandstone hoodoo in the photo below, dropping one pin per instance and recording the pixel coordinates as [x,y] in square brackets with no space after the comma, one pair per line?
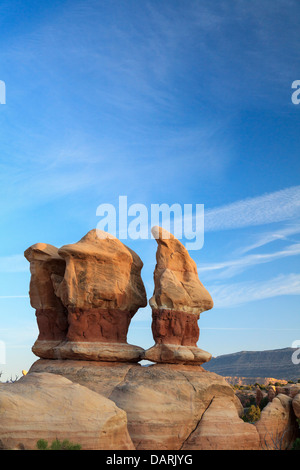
[51,314]
[101,289]
[178,299]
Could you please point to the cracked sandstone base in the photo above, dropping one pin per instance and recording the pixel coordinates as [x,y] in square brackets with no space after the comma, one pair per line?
[88,351]
[174,354]
[45,348]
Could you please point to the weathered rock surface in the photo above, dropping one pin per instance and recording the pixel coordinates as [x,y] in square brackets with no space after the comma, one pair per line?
[98,351]
[173,354]
[48,406]
[50,312]
[101,272]
[166,405]
[96,283]
[220,428]
[259,396]
[102,289]
[271,392]
[291,390]
[177,285]
[179,298]
[296,405]
[277,426]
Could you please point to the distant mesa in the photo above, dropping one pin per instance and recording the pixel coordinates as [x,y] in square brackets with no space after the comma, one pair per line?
[255,366]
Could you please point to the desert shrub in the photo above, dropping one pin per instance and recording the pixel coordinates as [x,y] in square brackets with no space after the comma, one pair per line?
[57,445]
[42,444]
[296,444]
[251,401]
[263,403]
[252,415]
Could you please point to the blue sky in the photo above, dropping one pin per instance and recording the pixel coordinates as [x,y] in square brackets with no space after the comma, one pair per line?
[164,102]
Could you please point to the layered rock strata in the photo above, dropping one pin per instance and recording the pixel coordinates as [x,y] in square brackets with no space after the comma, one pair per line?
[48,406]
[296,405]
[100,289]
[168,406]
[102,405]
[277,426]
[51,314]
[178,299]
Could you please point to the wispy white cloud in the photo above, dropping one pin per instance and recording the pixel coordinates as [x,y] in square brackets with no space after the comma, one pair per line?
[14,296]
[232,267]
[282,234]
[252,328]
[268,208]
[235,294]
[13,264]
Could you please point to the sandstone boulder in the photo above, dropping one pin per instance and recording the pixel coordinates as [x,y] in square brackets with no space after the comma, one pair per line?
[48,406]
[178,299]
[277,426]
[165,403]
[220,428]
[271,392]
[258,396]
[291,390]
[296,405]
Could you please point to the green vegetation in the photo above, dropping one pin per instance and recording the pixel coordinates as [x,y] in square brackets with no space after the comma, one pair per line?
[261,386]
[250,387]
[252,415]
[243,387]
[296,444]
[251,401]
[57,445]
[263,403]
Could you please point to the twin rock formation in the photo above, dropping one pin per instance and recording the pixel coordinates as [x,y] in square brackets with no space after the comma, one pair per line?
[85,295]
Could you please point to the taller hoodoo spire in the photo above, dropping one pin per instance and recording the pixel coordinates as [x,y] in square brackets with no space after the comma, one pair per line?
[178,299]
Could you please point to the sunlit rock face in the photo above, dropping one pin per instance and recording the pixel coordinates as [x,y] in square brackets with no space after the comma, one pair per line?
[178,299]
[168,406]
[51,314]
[51,407]
[100,288]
